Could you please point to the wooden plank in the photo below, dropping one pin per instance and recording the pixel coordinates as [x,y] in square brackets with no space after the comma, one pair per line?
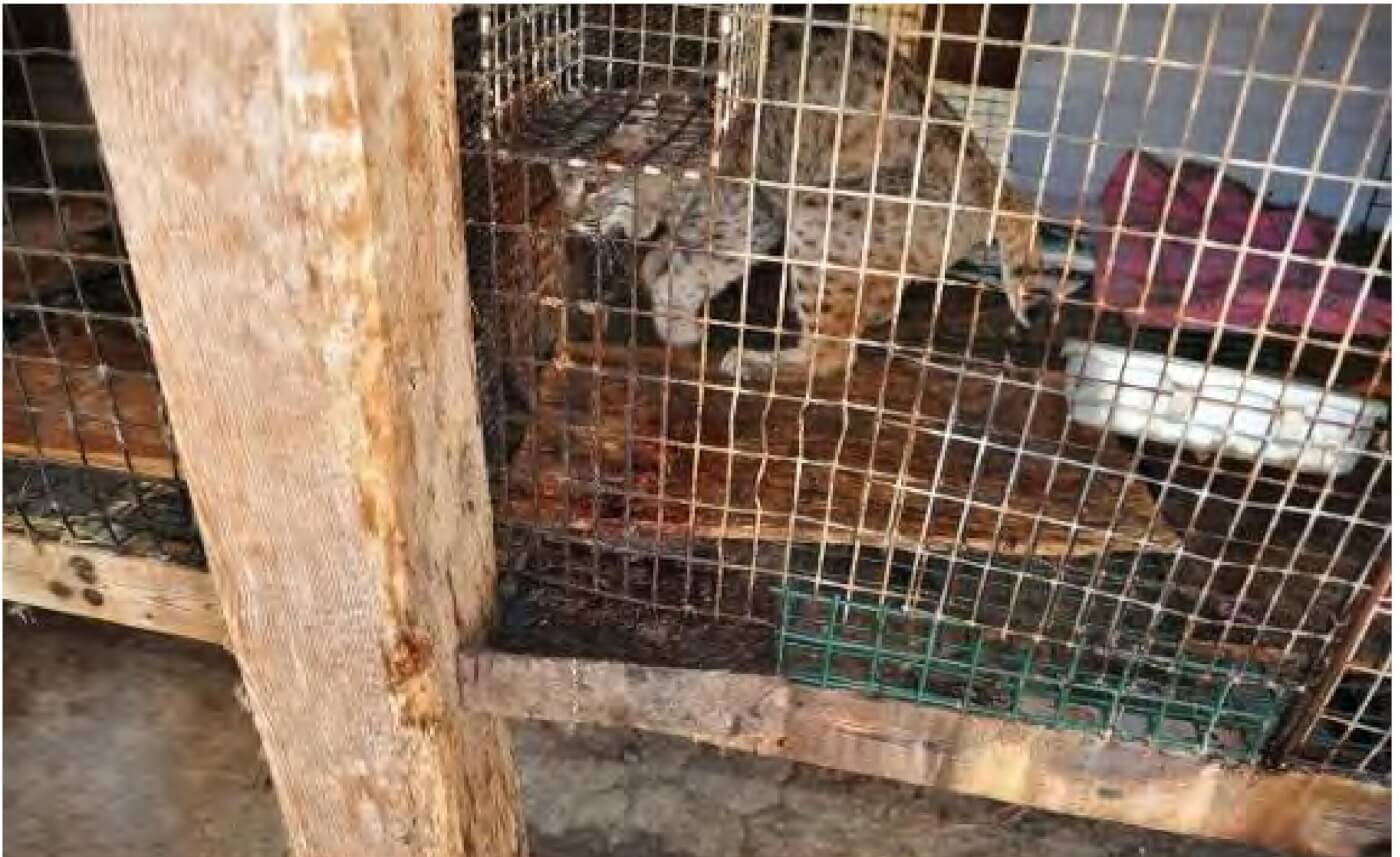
[144,593]
[1062,771]
[79,391]
[711,703]
[288,180]
[48,235]
[625,442]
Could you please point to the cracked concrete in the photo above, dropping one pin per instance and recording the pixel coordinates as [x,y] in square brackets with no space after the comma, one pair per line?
[684,799]
[124,743]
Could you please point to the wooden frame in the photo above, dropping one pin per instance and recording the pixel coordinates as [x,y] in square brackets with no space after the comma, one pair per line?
[287,180]
[288,183]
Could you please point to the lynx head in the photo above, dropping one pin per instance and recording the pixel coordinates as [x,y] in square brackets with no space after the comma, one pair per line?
[599,202]
[617,196]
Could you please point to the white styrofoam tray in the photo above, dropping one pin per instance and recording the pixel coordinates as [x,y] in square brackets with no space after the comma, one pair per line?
[1207,408]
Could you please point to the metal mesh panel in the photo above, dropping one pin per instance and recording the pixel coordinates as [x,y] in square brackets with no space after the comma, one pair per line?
[1346,724]
[1141,514]
[89,456]
[650,48]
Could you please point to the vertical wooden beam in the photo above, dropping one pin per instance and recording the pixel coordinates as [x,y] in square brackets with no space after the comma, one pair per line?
[287,180]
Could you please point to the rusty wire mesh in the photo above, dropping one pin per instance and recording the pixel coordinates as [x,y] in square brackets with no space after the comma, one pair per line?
[972,515]
[89,457]
[1345,724]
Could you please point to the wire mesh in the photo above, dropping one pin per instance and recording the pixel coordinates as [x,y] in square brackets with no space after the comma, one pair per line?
[89,457]
[1346,725]
[1142,514]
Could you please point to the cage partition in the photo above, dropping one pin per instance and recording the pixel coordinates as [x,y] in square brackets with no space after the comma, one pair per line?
[89,457]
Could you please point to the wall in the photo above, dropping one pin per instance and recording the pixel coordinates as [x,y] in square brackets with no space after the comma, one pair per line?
[1191,113]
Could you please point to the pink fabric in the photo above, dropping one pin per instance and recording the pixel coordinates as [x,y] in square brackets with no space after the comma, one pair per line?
[1120,282]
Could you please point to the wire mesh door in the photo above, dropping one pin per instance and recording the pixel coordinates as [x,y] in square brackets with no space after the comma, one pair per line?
[89,457]
[1118,461]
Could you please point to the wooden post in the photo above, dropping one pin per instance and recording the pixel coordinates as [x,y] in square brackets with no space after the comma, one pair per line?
[287,180]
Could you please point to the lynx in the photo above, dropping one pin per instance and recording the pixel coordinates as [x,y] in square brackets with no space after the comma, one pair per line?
[832,240]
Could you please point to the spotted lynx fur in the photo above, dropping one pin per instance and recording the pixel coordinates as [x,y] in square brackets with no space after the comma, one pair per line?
[704,225]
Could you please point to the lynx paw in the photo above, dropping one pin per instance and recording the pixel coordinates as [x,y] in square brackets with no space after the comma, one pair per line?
[678,330]
[731,365]
[676,301]
[749,366]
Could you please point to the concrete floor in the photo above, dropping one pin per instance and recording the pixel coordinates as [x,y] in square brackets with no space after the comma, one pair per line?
[123,743]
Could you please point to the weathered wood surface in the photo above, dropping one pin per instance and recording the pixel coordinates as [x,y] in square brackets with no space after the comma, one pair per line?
[287,178]
[626,441]
[1063,771]
[144,593]
[754,713]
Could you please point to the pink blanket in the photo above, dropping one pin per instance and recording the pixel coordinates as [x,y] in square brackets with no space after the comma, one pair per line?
[1121,281]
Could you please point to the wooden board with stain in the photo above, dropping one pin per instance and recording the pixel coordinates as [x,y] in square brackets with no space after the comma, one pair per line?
[617,452]
[141,592]
[93,399]
[1060,770]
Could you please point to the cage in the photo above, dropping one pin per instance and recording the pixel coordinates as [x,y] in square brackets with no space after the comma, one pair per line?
[1104,445]
[1146,514]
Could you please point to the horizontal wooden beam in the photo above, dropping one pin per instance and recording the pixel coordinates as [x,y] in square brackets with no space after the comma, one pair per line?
[64,404]
[83,416]
[138,591]
[1057,770]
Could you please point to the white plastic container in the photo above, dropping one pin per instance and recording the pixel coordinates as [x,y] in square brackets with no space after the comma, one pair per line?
[1288,424]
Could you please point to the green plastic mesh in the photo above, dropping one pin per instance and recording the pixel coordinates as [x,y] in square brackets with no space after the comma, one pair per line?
[827,638]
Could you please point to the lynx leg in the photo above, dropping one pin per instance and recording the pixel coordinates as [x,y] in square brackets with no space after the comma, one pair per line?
[826,302]
[1019,246]
[680,281]
[679,284]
